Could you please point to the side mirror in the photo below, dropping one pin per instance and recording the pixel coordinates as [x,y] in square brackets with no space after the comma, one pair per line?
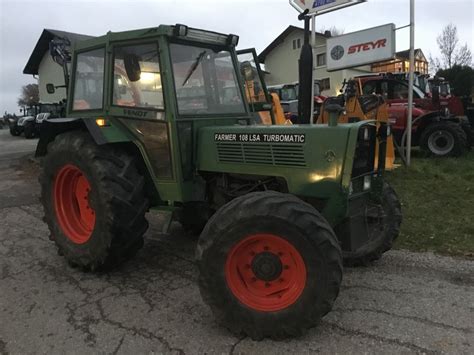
[132,67]
[50,88]
[247,71]
[435,95]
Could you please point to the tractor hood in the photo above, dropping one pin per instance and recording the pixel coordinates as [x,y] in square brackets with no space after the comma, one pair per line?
[309,157]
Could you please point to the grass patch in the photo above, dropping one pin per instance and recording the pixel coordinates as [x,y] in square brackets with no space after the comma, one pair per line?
[437,197]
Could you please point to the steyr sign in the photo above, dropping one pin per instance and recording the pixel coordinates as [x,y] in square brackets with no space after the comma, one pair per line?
[362,47]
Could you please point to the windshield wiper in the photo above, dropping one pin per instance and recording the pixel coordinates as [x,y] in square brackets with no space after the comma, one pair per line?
[194,66]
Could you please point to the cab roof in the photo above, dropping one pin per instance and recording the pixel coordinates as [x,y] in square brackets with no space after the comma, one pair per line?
[161,30]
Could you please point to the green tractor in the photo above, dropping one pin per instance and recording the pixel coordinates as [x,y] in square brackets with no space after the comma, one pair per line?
[151,126]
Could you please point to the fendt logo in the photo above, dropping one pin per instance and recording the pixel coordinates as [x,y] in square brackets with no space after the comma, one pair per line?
[367,46]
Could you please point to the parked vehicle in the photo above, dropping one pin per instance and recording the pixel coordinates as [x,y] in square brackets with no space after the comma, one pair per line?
[17,123]
[32,127]
[288,94]
[439,125]
[281,205]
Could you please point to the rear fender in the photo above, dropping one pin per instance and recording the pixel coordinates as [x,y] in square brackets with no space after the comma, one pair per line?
[113,134]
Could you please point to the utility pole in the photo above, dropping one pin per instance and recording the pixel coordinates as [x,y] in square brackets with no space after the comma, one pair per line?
[313,75]
[410,81]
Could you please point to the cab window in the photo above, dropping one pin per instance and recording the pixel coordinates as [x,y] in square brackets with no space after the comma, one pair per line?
[144,90]
[370,88]
[399,91]
[89,80]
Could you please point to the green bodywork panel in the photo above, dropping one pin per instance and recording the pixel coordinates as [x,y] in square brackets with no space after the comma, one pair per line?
[314,160]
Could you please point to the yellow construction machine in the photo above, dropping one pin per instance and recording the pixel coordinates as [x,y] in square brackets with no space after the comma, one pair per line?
[266,106]
[359,107]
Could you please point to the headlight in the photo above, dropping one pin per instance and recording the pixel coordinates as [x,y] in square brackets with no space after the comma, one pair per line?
[389,130]
[233,40]
[446,111]
[367,182]
[180,30]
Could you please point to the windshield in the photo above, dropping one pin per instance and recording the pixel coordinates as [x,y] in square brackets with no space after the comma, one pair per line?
[205,81]
[418,92]
[289,93]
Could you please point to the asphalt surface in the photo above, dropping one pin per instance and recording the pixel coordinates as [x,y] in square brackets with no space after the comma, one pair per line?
[406,303]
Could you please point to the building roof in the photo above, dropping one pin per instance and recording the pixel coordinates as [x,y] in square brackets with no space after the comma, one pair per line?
[406,54]
[42,46]
[277,41]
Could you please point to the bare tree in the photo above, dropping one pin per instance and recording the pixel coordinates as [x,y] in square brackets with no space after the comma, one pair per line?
[463,56]
[333,30]
[29,95]
[451,54]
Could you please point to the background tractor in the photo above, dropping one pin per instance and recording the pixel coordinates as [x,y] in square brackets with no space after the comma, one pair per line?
[439,125]
[151,125]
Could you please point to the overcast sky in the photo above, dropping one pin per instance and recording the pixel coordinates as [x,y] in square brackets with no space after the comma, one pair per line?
[257,22]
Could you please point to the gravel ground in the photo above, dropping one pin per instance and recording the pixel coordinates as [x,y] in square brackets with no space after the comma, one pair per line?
[406,303]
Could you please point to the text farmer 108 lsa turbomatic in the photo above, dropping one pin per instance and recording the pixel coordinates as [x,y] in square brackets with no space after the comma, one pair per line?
[159,119]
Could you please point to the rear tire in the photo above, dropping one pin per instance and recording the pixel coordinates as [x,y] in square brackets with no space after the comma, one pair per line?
[444,138]
[29,130]
[381,241]
[270,265]
[94,202]
[14,132]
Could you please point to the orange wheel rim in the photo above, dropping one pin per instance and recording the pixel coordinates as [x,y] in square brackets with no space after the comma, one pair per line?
[75,216]
[265,272]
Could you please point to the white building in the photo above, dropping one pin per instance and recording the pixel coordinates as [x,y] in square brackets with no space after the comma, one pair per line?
[281,62]
[42,65]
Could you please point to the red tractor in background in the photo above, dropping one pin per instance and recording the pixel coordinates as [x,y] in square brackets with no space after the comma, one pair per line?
[440,126]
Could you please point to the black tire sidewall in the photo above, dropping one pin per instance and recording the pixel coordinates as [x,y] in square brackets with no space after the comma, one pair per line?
[431,129]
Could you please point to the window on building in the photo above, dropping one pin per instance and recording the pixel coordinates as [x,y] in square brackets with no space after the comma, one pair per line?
[325,84]
[297,43]
[321,59]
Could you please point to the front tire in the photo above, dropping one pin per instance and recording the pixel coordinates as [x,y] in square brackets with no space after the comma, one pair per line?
[29,130]
[270,265]
[14,132]
[382,233]
[94,202]
[444,138]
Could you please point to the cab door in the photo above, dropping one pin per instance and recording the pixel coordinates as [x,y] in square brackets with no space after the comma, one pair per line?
[258,97]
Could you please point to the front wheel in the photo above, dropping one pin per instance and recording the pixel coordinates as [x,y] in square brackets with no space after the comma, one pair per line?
[270,265]
[14,131]
[93,200]
[29,130]
[444,138]
[383,220]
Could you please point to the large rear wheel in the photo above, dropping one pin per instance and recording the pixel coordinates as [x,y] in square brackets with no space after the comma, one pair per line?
[94,202]
[444,138]
[270,265]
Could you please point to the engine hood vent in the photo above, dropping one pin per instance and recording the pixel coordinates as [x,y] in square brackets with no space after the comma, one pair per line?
[261,153]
